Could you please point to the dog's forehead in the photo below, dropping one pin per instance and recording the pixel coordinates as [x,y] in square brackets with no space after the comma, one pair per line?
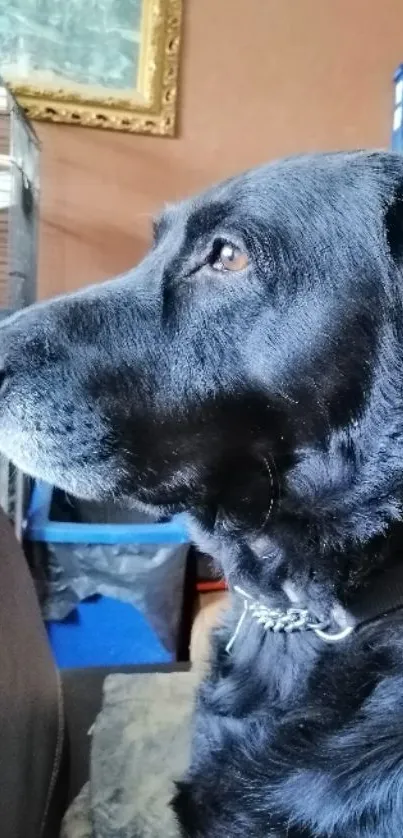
[299,177]
[207,209]
[286,189]
[218,210]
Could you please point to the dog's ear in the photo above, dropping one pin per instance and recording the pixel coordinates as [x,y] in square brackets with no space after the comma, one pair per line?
[394,225]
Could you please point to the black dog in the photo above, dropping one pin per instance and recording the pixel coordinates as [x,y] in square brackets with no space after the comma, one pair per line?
[249,371]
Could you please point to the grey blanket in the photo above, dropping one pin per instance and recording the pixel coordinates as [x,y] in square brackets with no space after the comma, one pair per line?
[140,747]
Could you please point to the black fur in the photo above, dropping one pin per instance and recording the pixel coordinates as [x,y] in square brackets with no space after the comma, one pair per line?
[268,404]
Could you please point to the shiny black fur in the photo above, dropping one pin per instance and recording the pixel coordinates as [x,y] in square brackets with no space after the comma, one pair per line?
[268,404]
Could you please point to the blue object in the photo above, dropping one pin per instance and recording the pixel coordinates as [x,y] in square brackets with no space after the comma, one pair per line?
[397,129]
[105,632]
[101,631]
[39,527]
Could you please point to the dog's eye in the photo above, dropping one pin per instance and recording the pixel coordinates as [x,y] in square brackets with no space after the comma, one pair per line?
[228,257]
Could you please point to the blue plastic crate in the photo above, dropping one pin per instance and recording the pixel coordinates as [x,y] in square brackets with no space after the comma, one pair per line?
[38,526]
[101,631]
[105,632]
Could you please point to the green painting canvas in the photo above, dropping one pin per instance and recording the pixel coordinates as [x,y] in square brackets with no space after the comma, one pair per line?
[60,43]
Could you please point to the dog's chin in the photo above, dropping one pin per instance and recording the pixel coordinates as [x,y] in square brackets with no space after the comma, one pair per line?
[85,483]
[103,483]
[80,484]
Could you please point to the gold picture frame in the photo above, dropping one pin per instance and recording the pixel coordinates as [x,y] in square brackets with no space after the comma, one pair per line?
[150,109]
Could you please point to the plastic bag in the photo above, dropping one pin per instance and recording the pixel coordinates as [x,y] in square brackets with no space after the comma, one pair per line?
[150,577]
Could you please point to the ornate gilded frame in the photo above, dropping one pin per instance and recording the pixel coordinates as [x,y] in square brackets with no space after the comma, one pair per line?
[151,109]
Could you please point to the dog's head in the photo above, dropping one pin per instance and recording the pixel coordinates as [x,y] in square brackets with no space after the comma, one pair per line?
[248,370]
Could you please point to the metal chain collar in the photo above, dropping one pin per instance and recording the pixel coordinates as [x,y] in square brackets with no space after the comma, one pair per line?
[276,620]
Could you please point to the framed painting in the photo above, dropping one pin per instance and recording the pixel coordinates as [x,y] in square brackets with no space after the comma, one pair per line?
[101,63]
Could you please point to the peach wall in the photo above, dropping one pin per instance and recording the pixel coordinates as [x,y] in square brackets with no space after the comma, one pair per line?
[260,79]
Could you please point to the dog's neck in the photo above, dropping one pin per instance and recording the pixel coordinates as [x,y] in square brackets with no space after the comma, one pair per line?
[309,520]
[293,556]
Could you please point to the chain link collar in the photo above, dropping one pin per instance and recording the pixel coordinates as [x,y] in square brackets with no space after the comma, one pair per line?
[276,620]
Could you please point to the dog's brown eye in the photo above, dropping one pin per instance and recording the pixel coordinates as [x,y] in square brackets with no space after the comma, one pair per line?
[230,258]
